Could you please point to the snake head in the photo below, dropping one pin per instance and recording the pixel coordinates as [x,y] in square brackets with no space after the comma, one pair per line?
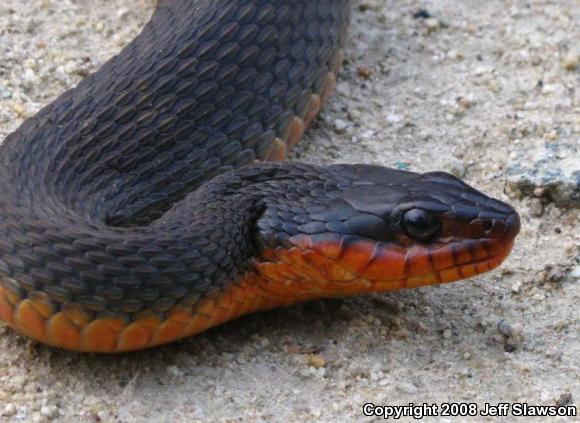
[363,228]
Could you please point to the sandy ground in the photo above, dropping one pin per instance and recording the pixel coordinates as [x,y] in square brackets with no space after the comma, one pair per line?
[463,92]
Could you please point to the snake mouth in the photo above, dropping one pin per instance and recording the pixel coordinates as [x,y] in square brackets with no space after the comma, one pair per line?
[332,265]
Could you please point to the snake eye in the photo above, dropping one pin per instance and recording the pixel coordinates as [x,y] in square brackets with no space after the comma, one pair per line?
[420,225]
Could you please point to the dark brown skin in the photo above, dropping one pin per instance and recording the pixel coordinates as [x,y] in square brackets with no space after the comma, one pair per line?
[112,240]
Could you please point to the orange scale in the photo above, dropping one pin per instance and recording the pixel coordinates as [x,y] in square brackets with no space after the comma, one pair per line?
[315,259]
[197,324]
[461,254]
[78,317]
[45,309]
[357,256]
[280,254]
[235,309]
[418,261]
[6,308]
[62,332]
[468,270]
[336,61]
[329,86]
[247,307]
[273,288]
[205,307]
[269,271]
[237,293]
[386,286]
[285,270]
[482,267]
[423,280]
[479,252]
[12,296]
[313,109]
[338,273]
[296,132]
[389,264]
[29,321]
[135,336]
[329,249]
[296,257]
[449,275]
[180,314]
[99,336]
[168,331]
[264,303]
[495,248]
[224,300]
[353,287]
[278,151]
[219,315]
[442,258]
[269,254]
[492,264]
[149,321]
[300,287]
[312,273]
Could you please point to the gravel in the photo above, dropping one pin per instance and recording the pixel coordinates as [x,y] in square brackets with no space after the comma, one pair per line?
[486,90]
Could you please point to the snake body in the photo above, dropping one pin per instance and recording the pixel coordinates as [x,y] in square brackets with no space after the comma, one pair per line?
[145,205]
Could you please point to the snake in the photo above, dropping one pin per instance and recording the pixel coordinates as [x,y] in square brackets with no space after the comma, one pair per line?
[153,201]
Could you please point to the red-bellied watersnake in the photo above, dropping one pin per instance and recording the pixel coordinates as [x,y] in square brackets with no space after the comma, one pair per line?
[112,240]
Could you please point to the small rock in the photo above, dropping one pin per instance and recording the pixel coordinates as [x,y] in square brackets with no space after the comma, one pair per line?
[539,192]
[9,410]
[546,169]
[570,61]
[432,24]
[466,102]
[504,328]
[364,72]
[536,207]
[316,361]
[340,125]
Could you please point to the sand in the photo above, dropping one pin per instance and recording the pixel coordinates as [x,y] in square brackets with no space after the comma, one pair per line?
[431,85]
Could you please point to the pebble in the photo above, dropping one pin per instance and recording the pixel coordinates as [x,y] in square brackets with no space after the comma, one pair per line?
[570,61]
[504,328]
[536,207]
[545,169]
[432,24]
[340,125]
[516,287]
[316,361]
[364,72]
[9,410]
